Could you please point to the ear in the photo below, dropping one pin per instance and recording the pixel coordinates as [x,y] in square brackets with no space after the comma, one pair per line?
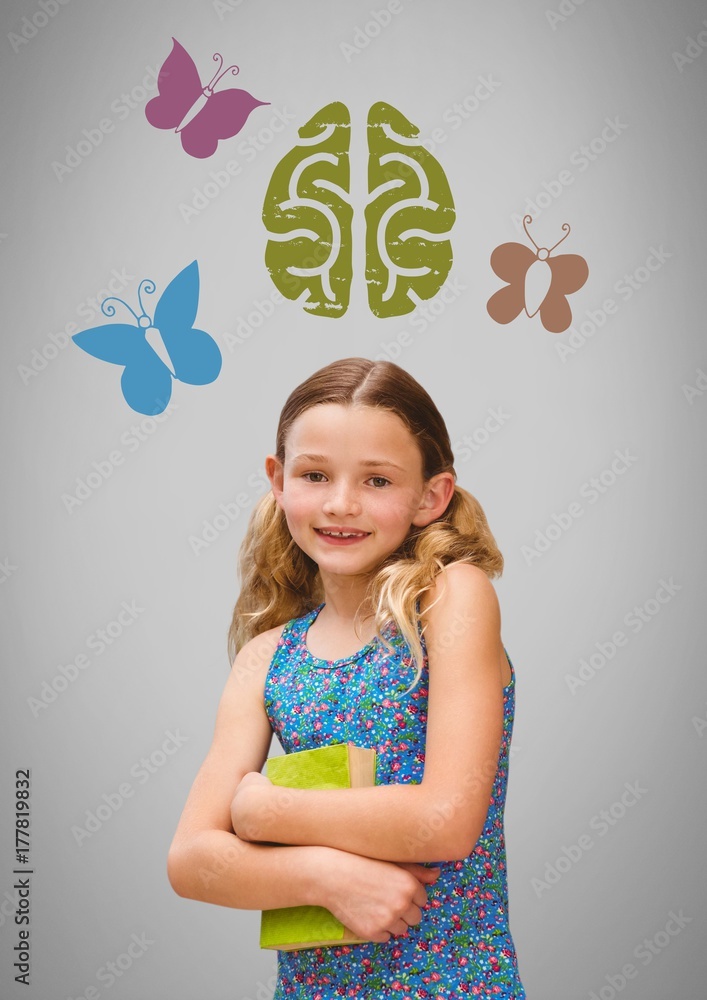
[437,493]
[275,473]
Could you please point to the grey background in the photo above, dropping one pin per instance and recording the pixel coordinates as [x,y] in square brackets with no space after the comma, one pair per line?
[639,719]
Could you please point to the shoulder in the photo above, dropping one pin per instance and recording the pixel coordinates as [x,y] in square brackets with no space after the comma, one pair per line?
[460,589]
[460,612]
[258,651]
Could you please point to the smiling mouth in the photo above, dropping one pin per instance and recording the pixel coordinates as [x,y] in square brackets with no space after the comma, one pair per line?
[342,534]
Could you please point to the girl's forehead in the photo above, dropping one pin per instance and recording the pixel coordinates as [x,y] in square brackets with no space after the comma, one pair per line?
[332,418]
[331,430]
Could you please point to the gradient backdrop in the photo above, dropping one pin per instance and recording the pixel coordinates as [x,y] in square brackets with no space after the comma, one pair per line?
[110,605]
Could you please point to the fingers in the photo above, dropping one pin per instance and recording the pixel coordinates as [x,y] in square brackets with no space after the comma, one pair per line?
[422,873]
[420,895]
[413,915]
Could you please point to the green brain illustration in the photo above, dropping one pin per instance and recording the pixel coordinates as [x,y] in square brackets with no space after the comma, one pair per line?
[308,214]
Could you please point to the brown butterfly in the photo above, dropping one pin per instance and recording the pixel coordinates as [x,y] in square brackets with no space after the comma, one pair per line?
[536,282]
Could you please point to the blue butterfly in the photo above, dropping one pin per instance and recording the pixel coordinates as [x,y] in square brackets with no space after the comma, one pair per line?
[155,353]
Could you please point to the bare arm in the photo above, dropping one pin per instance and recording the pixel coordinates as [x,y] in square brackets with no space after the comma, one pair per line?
[206,860]
[442,817]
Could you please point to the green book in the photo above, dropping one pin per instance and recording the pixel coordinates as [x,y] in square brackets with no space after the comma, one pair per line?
[340,765]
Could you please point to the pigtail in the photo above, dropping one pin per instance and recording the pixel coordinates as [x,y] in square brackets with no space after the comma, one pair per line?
[462,534]
[278,580]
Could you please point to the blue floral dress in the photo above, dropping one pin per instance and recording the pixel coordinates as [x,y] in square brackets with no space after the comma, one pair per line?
[462,946]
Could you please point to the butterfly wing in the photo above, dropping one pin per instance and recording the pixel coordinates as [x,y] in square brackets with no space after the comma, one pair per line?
[195,355]
[178,87]
[569,273]
[224,115]
[510,261]
[117,343]
[147,386]
[146,382]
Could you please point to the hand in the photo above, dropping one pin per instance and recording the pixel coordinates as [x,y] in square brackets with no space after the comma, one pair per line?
[375,899]
[250,798]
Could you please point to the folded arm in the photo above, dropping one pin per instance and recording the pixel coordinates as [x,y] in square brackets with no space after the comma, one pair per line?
[390,822]
[442,817]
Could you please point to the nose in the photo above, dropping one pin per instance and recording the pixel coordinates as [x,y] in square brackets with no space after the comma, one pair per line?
[342,501]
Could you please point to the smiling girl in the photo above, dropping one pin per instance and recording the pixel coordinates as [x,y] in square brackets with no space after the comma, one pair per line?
[366,614]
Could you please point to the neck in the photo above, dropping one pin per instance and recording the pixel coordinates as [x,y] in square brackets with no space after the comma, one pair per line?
[344,596]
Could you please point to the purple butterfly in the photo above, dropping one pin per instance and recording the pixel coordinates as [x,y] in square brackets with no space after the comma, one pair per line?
[196,113]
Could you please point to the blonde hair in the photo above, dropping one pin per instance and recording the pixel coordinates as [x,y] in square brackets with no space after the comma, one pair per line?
[280,582]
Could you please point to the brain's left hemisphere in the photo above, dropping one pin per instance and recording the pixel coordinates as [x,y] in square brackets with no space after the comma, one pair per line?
[307,212]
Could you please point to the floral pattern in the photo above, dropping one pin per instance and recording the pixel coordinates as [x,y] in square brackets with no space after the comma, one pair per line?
[462,947]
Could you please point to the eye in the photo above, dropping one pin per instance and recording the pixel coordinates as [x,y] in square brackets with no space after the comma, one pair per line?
[313,474]
[381,480]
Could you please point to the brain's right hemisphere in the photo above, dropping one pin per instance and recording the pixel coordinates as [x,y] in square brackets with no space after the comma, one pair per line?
[408,217]
[308,214]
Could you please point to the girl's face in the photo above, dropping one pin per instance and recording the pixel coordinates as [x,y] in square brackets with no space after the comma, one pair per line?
[356,471]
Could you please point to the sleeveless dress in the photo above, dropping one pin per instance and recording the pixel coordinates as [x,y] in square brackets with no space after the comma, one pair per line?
[462,947]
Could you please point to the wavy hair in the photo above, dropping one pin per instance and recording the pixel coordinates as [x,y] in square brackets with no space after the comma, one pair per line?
[280,582]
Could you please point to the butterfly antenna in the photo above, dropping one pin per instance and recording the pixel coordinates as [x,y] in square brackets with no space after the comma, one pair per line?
[566,228]
[234,70]
[217,57]
[526,219]
[110,310]
[149,288]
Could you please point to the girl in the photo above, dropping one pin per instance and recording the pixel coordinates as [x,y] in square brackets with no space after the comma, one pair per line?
[366,614]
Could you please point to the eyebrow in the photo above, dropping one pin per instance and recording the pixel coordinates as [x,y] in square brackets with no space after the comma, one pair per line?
[372,463]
